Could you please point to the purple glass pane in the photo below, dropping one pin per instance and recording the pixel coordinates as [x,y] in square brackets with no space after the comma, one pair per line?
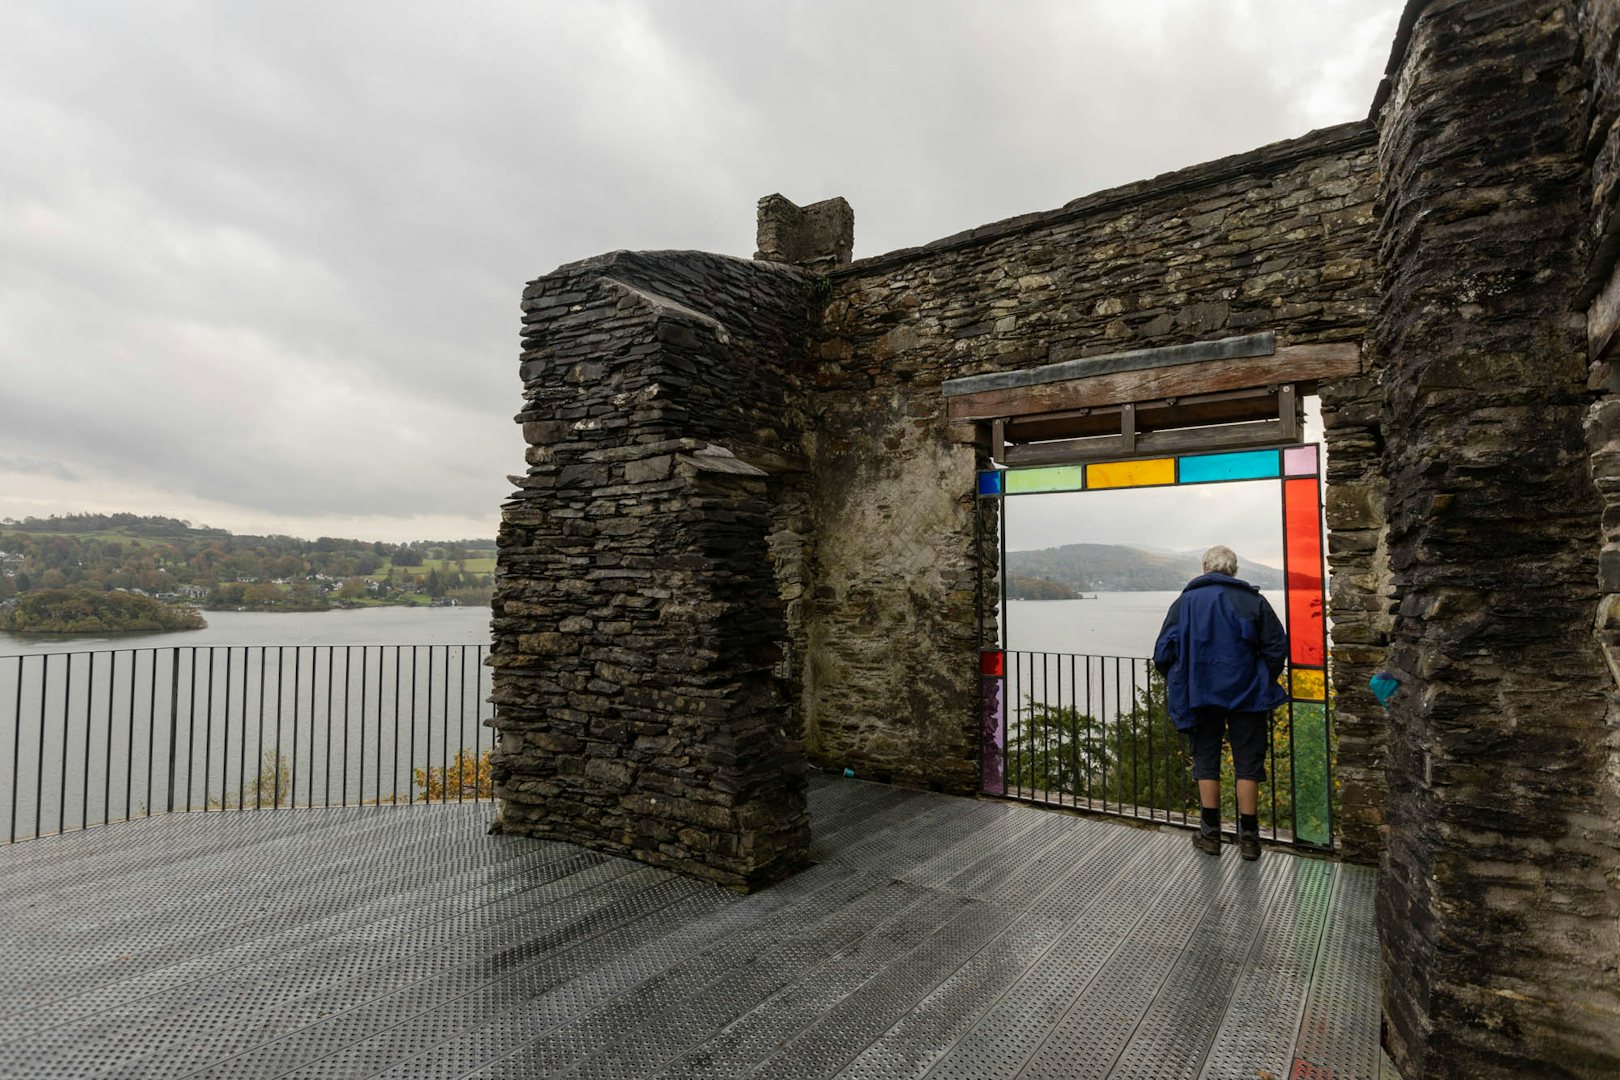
[1299,461]
[992,780]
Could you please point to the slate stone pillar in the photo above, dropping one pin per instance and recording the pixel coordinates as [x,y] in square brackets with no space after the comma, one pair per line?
[1497,909]
[636,614]
[820,236]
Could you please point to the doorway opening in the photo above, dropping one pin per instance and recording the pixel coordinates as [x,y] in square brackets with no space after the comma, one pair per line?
[1078,564]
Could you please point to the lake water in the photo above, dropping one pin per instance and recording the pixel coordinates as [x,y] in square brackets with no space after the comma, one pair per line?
[258,709]
[1114,624]
[356,626]
[359,705]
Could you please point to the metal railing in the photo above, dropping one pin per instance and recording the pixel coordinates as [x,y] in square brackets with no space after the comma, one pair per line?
[102,736]
[1093,733]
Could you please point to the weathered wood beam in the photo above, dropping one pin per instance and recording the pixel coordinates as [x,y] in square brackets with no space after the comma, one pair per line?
[1299,364]
[1229,407]
[1257,433]
[1081,367]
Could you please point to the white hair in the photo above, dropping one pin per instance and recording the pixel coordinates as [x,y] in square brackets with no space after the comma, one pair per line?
[1220,560]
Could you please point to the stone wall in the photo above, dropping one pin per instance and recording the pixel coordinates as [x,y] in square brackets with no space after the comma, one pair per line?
[637,622]
[1600,34]
[1497,905]
[819,236]
[1279,239]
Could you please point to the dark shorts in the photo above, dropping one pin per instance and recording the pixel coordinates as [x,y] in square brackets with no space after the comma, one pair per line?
[1247,732]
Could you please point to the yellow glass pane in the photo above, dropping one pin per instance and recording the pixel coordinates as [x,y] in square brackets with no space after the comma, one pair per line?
[1123,474]
[1309,684]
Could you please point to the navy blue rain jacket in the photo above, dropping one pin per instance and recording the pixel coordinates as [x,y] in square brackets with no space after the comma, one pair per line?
[1221,647]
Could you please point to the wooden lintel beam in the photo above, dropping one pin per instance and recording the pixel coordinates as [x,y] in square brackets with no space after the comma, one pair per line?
[1194,410]
[1265,393]
[1290,364]
[1259,433]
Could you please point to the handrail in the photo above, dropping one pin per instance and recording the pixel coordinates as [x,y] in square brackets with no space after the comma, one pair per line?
[99,736]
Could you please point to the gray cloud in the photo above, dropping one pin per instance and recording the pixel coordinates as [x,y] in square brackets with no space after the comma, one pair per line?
[264,258]
[33,466]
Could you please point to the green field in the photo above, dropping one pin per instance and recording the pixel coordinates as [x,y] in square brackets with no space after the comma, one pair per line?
[471,566]
[104,536]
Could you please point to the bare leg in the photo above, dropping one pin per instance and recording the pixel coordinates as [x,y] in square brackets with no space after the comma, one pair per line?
[1209,793]
[1248,794]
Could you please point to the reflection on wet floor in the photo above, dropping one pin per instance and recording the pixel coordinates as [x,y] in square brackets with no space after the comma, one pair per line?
[934,937]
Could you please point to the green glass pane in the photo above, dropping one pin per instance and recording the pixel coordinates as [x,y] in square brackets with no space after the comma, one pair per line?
[1313,796]
[1052,478]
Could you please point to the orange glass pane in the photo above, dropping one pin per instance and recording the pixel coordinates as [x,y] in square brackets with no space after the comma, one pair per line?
[1302,529]
[1122,474]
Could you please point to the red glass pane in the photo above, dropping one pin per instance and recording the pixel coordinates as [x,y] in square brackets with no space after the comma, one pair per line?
[992,663]
[1302,527]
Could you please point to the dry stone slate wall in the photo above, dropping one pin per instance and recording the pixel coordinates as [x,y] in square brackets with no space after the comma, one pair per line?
[1280,239]
[638,628]
[1497,906]
[747,521]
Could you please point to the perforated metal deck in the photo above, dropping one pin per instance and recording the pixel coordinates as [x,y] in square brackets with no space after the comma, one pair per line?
[934,937]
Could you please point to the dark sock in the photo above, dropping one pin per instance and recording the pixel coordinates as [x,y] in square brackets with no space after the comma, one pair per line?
[1249,824]
[1212,818]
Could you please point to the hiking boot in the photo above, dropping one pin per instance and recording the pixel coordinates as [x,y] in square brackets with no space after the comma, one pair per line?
[1249,846]
[1207,842]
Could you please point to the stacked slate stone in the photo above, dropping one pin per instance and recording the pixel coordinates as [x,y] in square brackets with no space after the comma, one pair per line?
[636,618]
[1279,239]
[1362,602]
[1497,906]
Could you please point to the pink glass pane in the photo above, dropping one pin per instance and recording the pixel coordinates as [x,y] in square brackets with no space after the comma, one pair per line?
[1302,529]
[1299,461]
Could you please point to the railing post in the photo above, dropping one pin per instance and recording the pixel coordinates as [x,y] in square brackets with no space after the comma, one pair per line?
[174,716]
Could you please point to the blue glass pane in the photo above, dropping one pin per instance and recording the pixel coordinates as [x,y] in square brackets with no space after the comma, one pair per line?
[990,483]
[1242,465]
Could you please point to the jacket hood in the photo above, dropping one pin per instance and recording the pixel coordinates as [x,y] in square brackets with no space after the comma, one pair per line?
[1205,580]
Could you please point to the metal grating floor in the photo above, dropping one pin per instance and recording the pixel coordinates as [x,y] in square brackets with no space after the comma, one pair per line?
[934,937]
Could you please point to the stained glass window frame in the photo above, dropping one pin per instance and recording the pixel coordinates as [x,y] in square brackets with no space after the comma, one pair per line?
[1304,564]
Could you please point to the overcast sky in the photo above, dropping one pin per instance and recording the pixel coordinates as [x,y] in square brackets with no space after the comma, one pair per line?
[260,261]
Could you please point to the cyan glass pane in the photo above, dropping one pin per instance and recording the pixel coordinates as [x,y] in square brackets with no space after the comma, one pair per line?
[1051,478]
[990,483]
[992,780]
[1313,795]
[1243,465]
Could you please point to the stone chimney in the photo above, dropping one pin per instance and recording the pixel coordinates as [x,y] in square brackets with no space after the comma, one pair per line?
[820,236]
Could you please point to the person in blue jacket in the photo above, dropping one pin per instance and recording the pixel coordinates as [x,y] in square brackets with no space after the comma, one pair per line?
[1221,649]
